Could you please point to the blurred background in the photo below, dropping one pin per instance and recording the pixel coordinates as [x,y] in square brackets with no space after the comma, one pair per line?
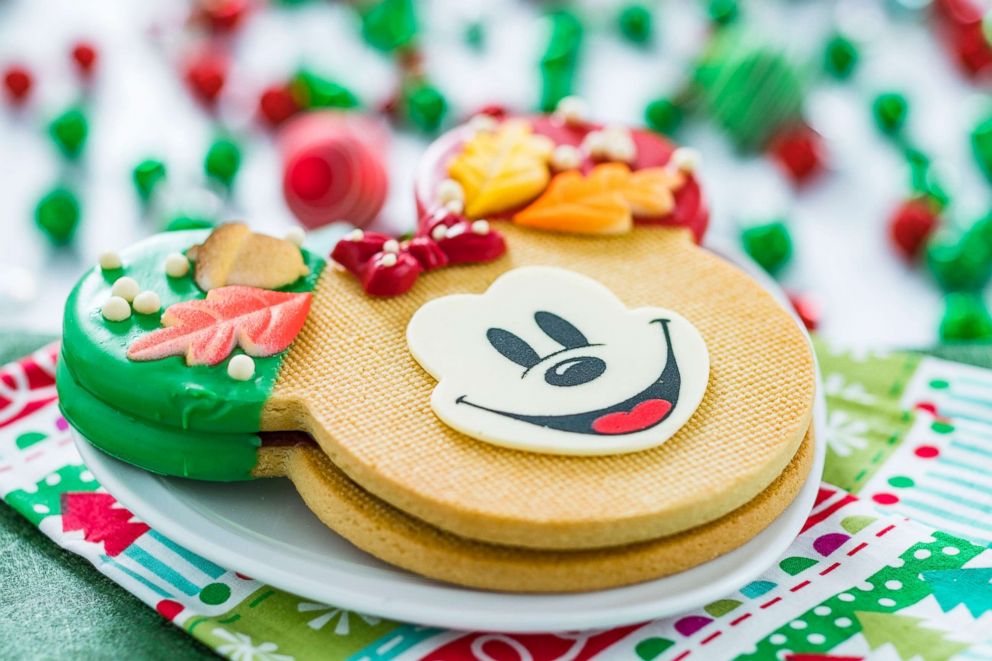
[845,145]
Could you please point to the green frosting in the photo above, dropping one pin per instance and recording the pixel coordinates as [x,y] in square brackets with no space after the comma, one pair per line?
[166,391]
[156,448]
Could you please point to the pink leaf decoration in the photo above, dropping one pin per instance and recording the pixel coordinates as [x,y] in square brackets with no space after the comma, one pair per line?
[260,321]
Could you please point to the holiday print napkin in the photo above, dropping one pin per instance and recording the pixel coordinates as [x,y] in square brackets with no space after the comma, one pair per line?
[893,561]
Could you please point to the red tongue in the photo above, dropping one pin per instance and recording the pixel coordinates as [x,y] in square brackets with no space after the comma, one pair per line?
[642,416]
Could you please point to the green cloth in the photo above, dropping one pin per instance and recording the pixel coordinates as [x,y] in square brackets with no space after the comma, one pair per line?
[74,611]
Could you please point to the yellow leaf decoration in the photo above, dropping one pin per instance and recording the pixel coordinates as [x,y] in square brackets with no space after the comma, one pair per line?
[604,202]
[501,170]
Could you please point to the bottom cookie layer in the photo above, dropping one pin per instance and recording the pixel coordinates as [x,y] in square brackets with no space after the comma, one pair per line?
[402,540]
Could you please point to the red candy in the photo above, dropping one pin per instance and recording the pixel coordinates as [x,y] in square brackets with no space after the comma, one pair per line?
[333,168]
[221,15]
[84,55]
[807,309]
[390,270]
[961,22]
[910,226]
[206,72]
[17,81]
[799,151]
[276,104]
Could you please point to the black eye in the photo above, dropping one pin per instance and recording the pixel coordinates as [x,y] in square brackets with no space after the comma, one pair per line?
[575,371]
[560,330]
[512,347]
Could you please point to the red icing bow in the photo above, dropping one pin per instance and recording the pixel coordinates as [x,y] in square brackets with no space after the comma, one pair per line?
[388,267]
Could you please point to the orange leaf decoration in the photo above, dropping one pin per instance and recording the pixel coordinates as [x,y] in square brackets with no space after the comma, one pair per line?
[501,170]
[604,202]
[261,322]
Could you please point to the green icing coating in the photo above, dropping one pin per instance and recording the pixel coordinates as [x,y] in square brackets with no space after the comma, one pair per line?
[155,448]
[164,391]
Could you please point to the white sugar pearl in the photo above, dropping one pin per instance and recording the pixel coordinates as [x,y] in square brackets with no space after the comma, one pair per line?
[127,288]
[355,235]
[573,110]
[448,190]
[566,157]
[241,367]
[439,232]
[621,148]
[595,144]
[147,302]
[686,159]
[480,227]
[454,206]
[543,145]
[110,261]
[296,236]
[115,309]
[483,123]
[388,259]
[392,245]
[176,265]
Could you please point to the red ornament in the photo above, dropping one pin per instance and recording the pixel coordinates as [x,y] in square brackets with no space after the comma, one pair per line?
[17,81]
[277,104]
[386,267]
[910,226]
[84,55]
[799,151]
[205,72]
[807,309]
[221,15]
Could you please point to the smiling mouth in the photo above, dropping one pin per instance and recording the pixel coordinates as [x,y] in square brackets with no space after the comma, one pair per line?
[644,410]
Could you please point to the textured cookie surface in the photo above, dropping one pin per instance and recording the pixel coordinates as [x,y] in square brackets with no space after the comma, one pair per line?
[399,539]
[351,382]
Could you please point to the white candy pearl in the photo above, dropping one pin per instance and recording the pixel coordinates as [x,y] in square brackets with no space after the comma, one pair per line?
[391,245]
[355,235]
[543,144]
[480,227]
[388,259]
[241,367]
[454,206]
[449,190]
[566,157]
[439,232]
[110,261]
[573,110]
[483,123]
[176,265]
[127,288]
[595,144]
[115,309]
[147,302]
[686,159]
[296,236]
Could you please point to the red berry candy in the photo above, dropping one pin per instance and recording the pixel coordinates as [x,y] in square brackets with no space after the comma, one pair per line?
[910,226]
[17,82]
[277,104]
[799,151]
[84,55]
[807,309]
[221,15]
[205,73]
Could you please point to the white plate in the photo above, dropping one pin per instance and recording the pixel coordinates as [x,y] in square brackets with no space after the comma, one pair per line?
[263,529]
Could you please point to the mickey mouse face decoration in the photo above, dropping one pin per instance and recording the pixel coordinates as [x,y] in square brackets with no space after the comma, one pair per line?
[547,360]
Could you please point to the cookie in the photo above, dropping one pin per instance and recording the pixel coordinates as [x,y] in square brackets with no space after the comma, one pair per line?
[570,373]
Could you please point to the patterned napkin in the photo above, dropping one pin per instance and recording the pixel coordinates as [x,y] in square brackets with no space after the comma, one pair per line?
[893,562]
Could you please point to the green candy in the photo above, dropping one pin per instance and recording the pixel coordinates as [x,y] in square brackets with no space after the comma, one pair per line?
[663,115]
[69,131]
[840,57]
[184,222]
[560,58]
[889,110]
[981,146]
[222,161]
[389,24]
[57,215]
[636,23]
[723,12]
[769,244]
[475,35]
[147,175]
[959,263]
[923,179]
[966,317]
[425,107]
[311,90]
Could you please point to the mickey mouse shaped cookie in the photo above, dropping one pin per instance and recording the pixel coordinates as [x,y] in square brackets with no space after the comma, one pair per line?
[547,386]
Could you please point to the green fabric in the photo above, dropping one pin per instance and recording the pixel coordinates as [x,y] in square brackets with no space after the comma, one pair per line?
[74,612]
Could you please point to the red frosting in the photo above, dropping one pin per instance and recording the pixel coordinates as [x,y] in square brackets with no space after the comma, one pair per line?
[652,151]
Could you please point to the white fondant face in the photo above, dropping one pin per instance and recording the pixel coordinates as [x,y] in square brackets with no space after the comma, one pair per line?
[547,360]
